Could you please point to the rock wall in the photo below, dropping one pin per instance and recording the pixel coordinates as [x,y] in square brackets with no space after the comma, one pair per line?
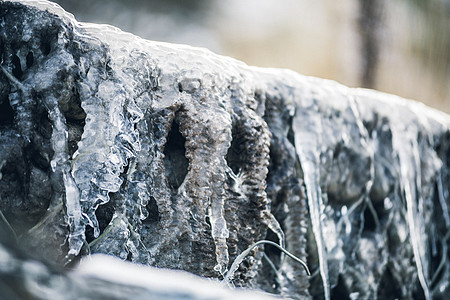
[171,156]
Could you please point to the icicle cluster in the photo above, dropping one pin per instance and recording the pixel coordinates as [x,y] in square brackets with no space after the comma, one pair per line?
[175,157]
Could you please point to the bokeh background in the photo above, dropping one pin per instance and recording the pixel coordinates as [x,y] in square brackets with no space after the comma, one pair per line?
[397,46]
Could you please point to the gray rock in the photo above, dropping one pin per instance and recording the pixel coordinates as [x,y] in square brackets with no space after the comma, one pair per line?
[106,277]
[174,157]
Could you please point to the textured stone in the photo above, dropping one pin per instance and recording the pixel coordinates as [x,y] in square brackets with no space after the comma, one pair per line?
[106,277]
[174,157]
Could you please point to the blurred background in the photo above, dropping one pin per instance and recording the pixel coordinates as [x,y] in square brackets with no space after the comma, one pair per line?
[396,46]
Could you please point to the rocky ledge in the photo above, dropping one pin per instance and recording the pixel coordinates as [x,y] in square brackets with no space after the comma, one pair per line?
[173,157]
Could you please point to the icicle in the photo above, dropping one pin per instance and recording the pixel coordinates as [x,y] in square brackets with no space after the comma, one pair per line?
[365,140]
[220,234]
[74,216]
[409,178]
[404,140]
[307,144]
[60,163]
[442,200]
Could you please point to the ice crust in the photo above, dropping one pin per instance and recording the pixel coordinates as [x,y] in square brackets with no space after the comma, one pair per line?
[172,156]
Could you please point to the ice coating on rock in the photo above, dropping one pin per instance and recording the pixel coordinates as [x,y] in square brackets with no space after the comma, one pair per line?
[172,156]
[109,140]
[314,144]
[417,165]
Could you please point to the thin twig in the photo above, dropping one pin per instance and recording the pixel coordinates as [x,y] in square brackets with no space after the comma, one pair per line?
[240,258]
[2,216]
[443,260]
[270,262]
[16,82]
[54,210]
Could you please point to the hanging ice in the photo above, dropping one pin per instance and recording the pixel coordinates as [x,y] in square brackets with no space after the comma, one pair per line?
[175,157]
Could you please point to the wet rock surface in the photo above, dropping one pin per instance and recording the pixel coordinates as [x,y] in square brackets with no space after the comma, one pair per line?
[173,157]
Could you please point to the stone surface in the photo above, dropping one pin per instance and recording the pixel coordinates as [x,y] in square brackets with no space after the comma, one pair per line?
[105,277]
[173,157]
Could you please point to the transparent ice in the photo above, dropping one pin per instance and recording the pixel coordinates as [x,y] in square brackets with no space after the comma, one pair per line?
[187,158]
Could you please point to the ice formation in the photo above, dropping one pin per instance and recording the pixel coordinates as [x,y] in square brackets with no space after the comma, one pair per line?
[172,156]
